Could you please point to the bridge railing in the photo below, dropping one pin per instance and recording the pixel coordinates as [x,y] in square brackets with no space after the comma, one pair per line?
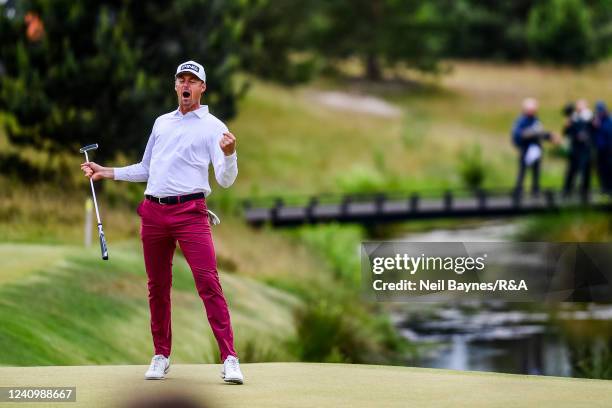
[447,195]
[297,209]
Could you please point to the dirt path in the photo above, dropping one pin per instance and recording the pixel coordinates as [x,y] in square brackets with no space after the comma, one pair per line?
[366,104]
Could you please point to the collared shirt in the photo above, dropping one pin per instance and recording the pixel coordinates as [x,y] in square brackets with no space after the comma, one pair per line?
[178,154]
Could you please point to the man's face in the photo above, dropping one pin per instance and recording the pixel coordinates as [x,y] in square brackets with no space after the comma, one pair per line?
[531,111]
[530,107]
[189,89]
[581,105]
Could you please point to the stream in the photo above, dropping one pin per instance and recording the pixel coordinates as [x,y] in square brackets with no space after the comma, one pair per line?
[499,336]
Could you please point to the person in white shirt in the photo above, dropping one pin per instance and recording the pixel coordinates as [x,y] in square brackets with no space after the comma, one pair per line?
[182,145]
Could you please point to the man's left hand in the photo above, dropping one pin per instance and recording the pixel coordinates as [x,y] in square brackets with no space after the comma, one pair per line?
[228,143]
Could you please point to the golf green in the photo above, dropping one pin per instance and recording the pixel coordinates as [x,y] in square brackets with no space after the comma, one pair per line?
[312,385]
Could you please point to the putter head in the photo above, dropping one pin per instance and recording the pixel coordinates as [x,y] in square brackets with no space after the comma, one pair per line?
[88,148]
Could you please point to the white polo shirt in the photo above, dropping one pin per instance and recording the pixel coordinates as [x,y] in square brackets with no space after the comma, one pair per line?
[178,154]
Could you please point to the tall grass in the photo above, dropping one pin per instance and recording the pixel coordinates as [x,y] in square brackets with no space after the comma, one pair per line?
[45,214]
[568,226]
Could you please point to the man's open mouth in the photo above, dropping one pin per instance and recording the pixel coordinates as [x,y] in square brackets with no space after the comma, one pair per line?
[186,94]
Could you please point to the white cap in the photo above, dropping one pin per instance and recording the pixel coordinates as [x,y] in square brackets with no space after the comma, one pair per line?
[193,68]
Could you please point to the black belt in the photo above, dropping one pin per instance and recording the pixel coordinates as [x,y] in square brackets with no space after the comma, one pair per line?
[174,199]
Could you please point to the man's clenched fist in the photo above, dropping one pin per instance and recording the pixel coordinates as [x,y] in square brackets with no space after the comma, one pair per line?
[228,143]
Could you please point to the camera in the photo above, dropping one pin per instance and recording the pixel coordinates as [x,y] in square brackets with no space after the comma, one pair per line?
[568,109]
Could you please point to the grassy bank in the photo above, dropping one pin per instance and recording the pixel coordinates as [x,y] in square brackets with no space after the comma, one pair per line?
[60,304]
[71,308]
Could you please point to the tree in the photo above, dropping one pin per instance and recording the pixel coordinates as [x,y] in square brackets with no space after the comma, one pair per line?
[275,32]
[572,32]
[487,30]
[380,32]
[561,31]
[103,70]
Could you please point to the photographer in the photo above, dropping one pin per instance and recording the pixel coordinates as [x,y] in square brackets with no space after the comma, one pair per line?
[602,137]
[527,134]
[579,129]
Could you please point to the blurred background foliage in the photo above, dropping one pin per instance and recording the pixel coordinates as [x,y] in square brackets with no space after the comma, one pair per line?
[101,70]
[74,72]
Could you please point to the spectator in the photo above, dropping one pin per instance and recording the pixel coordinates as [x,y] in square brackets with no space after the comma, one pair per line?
[527,135]
[602,137]
[579,129]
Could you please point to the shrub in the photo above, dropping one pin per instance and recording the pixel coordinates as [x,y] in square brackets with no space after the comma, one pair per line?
[472,167]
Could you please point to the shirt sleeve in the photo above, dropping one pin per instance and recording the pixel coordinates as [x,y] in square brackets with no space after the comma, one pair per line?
[226,167]
[139,171]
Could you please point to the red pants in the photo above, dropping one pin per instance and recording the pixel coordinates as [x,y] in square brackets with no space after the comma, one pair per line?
[163,225]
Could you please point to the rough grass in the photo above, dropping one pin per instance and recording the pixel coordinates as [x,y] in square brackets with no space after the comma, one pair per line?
[576,226]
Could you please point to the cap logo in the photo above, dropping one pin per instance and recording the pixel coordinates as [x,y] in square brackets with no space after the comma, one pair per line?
[190,66]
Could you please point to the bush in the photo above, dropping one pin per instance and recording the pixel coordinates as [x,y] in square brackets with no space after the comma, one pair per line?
[592,360]
[472,167]
[339,246]
[327,333]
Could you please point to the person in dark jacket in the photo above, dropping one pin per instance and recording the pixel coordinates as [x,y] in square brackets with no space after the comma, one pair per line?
[579,129]
[602,138]
[527,135]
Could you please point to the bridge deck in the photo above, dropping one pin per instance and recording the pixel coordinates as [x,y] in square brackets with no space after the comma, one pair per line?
[379,208]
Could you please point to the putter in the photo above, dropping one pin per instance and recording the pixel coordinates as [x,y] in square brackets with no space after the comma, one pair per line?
[103,246]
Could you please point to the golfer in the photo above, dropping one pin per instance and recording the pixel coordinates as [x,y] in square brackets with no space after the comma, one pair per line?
[182,145]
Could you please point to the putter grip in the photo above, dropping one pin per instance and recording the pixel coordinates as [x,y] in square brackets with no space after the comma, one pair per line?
[103,246]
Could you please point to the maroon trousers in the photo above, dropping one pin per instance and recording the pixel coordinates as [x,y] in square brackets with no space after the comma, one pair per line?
[161,226]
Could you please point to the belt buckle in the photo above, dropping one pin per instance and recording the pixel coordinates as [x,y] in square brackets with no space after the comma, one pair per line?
[159,201]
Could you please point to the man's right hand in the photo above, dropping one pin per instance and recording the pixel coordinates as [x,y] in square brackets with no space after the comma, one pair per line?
[555,138]
[97,172]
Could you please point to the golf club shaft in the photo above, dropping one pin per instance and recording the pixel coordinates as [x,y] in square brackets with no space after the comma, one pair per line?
[93,192]
[103,246]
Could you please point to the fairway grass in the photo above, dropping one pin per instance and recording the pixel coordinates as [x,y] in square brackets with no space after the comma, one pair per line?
[314,385]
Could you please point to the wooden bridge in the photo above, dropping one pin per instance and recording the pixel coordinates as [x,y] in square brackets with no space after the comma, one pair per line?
[398,207]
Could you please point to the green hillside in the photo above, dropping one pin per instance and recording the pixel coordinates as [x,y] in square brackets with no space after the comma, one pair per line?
[291,142]
[69,307]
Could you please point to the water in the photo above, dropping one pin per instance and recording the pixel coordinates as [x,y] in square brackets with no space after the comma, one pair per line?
[497,336]
[482,338]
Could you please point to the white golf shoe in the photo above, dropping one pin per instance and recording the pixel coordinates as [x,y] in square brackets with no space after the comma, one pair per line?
[231,371]
[158,369]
